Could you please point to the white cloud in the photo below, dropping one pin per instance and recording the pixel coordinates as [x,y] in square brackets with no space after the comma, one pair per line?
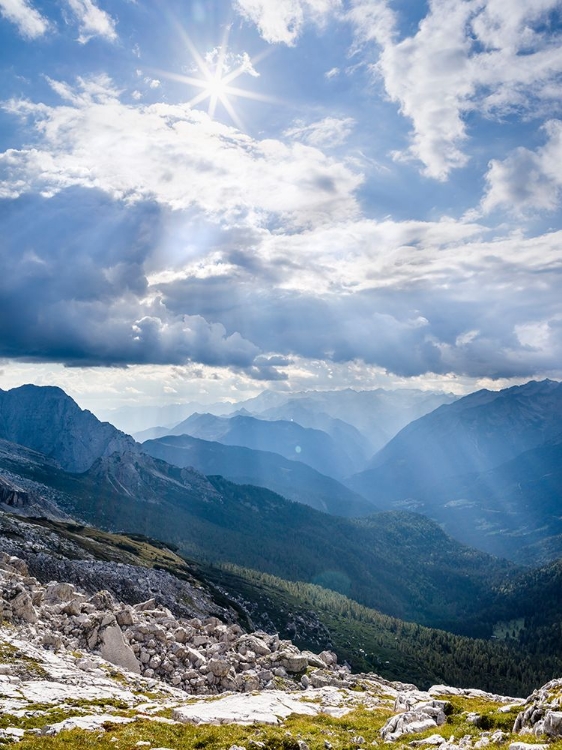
[176,156]
[93,21]
[467,55]
[331,131]
[527,180]
[31,24]
[283,20]
[411,297]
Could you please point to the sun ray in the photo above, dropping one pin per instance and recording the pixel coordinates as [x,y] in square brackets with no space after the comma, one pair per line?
[215,77]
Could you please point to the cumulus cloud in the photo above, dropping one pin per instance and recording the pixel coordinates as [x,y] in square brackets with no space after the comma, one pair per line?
[176,156]
[89,280]
[527,180]
[283,20]
[92,21]
[467,55]
[31,24]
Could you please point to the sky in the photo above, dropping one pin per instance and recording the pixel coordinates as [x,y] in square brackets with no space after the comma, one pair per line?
[202,200]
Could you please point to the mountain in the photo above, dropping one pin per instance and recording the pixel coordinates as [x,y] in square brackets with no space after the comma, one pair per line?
[138,417]
[47,420]
[292,479]
[377,414]
[132,569]
[288,439]
[400,563]
[305,413]
[487,467]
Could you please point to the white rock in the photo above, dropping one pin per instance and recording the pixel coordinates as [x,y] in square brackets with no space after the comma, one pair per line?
[264,708]
[115,650]
[89,723]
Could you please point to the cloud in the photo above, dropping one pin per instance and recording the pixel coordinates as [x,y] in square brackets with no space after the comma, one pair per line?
[484,56]
[89,280]
[326,133]
[176,156]
[73,288]
[411,297]
[92,21]
[527,180]
[31,24]
[281,21]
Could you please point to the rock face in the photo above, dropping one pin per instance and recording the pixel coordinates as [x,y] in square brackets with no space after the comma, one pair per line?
[47,420]
[415,714]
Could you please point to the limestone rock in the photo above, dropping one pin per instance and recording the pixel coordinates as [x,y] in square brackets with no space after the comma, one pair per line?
[22,607]
[115,650]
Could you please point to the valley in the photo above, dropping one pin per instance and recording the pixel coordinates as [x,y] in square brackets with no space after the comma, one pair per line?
[389,590]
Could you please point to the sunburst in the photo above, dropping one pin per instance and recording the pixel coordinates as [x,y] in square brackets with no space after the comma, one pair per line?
[215,81]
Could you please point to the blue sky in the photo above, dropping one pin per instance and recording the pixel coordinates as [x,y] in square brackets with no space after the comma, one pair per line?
[199,200]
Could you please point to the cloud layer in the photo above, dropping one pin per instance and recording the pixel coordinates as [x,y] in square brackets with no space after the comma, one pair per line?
[151,234]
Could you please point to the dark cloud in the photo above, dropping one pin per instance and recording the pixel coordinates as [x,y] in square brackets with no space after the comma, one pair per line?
[73,288]
[472,325]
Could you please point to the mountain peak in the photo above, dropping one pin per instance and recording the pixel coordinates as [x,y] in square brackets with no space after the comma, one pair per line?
[47,420]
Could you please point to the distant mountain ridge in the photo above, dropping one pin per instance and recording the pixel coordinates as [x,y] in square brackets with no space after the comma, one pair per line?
[291,479]
[400,563]
[289,439]
[377,414]
[46,419]
[486,466]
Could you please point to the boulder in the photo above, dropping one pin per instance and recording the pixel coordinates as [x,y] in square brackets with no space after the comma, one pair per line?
[219,667]
[22,607]
[115,650]
[552,724]
[57,593]
[293,662]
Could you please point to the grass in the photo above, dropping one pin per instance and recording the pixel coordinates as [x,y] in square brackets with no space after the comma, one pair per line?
[22,666]
[314,731]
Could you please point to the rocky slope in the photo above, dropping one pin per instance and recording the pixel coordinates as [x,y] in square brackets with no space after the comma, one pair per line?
[73,663]
[45,419]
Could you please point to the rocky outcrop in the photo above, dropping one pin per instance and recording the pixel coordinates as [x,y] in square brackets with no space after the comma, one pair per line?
[417,712]
[542,712]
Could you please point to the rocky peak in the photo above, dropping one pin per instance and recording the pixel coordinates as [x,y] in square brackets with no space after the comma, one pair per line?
[47,420]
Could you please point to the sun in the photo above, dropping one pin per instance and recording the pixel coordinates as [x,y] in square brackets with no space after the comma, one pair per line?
[216,76]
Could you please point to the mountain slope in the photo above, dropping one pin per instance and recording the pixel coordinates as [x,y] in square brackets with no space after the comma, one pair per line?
[399,563]
[306,413]
[480,466]
[288,439]
[45,419]
[292,479]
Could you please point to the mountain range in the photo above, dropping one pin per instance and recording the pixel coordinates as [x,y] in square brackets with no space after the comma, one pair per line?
[376,415]
[289,439]
[452,464]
